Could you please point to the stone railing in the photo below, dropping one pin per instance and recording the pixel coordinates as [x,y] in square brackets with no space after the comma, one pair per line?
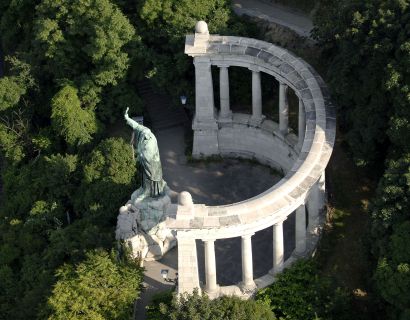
[303,158]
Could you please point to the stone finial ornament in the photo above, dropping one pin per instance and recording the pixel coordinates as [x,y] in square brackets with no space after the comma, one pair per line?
[201,27]
[185,199]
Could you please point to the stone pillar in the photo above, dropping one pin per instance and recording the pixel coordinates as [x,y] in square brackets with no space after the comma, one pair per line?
[247,263]
[278,248]
[322,190]
[300,232]
[316,200]
[188,278]
[204,124]
[210,267]
[283,109]
[225,113]
[204,91]
[256,118]
[301,124]
[313,205]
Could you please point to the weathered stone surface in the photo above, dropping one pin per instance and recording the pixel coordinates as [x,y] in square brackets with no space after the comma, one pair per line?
[302,160]
[141,226]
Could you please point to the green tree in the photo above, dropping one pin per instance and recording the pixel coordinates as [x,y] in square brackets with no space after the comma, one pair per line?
[366,45]
[390,237]
[392,204]
[10,92]
[16,24]
[67,66]
[14,113]
[100,287]
[108,180]
[200,307]
[163,26]
[80,39]
[75,124]
[393,272]
[300,292]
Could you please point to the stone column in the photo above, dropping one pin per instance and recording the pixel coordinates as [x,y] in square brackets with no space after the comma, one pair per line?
[301,124]
[247,263]
[210,267]
[322,190]
[204,124]
[188,278]
[278,248]
[283,109]
[256,98]
[204,91]
[300,232]
[316,200]
[225,113]
[313,205]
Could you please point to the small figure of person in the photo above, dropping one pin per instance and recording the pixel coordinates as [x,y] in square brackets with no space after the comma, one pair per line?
[147,155]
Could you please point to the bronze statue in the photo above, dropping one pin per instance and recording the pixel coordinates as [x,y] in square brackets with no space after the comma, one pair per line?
[147,154]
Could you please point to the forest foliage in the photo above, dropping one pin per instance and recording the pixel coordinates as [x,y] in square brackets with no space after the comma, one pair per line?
[367,47]
[63,176]
[195,306]
[70,69]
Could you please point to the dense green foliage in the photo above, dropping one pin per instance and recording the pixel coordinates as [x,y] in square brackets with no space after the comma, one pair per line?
[163,26]
[391,232]
[70,71]
[200,307]
[69,120]
[300,292]
[96,29]
[97,288]
[368,50]
[62,178]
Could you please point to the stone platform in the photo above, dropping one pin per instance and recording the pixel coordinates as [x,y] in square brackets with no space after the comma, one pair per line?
[141,226]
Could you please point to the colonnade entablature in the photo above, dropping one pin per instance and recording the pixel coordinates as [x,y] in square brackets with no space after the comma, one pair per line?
[302,157]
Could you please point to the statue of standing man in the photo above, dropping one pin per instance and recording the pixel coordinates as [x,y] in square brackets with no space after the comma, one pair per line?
[147,155]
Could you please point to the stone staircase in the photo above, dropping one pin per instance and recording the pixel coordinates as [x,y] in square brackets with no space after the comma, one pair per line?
[162,112]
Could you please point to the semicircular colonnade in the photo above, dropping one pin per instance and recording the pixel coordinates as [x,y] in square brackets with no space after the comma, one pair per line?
[303,158]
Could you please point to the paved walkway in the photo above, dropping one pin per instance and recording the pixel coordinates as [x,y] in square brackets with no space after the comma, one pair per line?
[285,16]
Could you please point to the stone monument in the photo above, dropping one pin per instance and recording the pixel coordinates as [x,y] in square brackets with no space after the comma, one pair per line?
[140,222]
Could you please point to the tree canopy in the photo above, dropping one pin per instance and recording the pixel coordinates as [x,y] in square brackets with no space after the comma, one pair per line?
[97,288]
[196,306]
[368,51]
[70,69]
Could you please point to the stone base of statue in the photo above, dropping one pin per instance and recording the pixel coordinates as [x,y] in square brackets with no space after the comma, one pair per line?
[141,226]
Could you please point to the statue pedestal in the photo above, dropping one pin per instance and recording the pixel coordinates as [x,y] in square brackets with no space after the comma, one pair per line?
[141,226]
